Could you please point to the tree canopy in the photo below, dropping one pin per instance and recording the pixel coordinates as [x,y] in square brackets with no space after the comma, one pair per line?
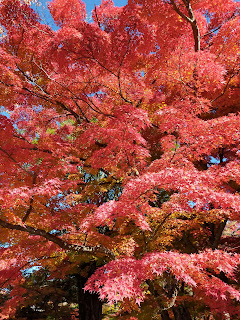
[119,148]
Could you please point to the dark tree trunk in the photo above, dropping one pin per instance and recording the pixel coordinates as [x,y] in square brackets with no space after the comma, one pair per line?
[165,315]
[181,313]
[89,304]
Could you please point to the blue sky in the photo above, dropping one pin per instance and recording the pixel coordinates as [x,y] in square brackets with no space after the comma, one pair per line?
[91,3]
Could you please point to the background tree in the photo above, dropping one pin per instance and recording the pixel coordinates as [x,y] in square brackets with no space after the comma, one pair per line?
[119,148]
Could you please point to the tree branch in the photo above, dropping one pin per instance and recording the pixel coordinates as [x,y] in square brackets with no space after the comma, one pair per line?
[191,19]
[99,249]
[175,7]
[29,210]
[98,22]
[226,86]
[119,73]
[218,234]
[10,157]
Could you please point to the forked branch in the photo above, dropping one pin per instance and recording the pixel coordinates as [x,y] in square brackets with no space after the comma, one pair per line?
[190,19]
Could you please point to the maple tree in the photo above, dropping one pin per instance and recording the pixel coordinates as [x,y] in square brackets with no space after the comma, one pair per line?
[119,148]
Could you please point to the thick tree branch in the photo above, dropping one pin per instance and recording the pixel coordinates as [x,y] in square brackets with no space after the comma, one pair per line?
[218,234]
[99,249]
[176,8]
[196,35]
[190,19]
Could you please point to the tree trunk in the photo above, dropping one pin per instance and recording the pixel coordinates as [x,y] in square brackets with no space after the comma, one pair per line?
[165,315]
[89,304]
[181,313]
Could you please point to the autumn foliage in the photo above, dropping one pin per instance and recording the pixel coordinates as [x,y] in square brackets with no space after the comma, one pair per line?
[119,148]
